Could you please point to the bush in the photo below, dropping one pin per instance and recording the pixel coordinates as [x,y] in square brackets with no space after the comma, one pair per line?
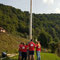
[58,49]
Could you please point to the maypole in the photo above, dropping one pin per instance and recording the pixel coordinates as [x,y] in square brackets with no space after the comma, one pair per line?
[30,19]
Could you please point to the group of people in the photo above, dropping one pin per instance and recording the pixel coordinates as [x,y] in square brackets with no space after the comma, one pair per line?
[26,51]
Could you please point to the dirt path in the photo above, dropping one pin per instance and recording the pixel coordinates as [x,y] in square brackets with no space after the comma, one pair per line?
[11,55]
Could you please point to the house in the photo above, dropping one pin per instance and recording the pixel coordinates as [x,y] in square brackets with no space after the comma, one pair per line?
[2,30]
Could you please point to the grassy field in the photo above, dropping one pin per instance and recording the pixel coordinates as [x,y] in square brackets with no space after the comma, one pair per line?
[9,43]
[49,56]
[44,56]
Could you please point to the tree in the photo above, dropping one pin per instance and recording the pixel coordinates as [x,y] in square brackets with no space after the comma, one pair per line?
[45,39]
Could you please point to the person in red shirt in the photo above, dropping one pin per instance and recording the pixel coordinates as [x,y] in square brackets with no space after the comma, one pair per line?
[38,50]
[24,52]
[31,49]
[20,51]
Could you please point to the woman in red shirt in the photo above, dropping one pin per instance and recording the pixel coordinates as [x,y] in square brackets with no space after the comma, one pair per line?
[24,52]
[38,50]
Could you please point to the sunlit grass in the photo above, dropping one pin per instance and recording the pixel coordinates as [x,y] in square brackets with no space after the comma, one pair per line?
[44,56]
[49,56]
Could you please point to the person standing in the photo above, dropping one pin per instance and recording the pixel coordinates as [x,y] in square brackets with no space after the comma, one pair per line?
[20,51]
[24,52]
[38,50]
[31,49]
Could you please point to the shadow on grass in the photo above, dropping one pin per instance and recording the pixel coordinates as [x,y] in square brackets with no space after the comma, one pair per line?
[5,58]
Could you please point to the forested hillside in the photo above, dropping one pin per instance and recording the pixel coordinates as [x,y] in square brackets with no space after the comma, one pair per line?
[46,27]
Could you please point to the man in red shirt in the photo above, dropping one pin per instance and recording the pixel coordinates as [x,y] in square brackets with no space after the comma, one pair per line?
[24,52]
[20,51]
[31,49]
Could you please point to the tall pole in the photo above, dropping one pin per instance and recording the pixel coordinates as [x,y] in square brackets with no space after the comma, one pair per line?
[30,19]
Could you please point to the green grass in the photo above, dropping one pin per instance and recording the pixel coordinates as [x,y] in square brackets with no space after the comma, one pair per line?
[9,43]
[44,56]
[49,56]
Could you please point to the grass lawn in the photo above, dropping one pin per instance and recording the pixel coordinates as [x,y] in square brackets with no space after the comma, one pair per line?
[49,56]
[44,56]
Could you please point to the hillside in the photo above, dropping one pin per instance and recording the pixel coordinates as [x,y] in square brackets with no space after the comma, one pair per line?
[10,43]
[46,27]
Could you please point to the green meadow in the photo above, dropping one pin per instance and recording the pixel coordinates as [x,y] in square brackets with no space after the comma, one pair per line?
[44,56]
[49,56]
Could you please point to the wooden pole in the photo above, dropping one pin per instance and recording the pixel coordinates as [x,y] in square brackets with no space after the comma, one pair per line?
[30,19]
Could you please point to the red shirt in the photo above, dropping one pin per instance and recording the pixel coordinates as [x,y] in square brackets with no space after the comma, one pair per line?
[38,48]
[31,46]
[24,48]
[20,47]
